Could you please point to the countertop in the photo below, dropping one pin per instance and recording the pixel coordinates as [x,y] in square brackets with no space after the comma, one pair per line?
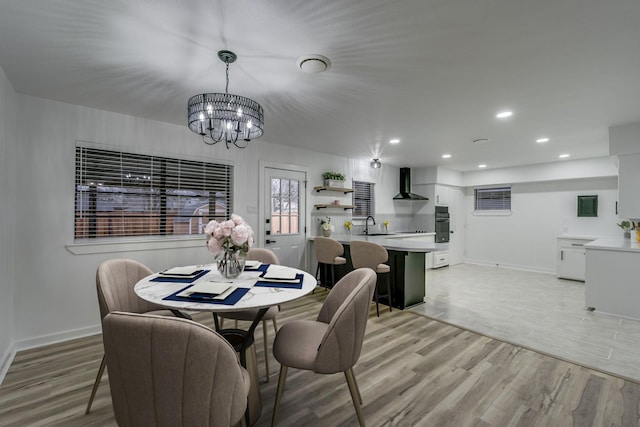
[395,242]
[578,237]
[615,244]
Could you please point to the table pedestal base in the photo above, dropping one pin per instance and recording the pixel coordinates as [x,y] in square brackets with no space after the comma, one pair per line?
[243,343]
[254,400]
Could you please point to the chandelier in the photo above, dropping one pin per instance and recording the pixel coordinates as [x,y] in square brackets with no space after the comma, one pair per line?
[224,116]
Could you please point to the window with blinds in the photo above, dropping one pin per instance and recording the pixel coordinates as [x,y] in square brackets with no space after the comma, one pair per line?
[493,199]
[122,194]
[363,199]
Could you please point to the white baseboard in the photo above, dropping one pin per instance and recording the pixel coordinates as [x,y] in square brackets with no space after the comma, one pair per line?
[6,360]
[26,344]
[510,266]
[40,341]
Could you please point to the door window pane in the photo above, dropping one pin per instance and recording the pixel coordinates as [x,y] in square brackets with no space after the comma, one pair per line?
[285,200]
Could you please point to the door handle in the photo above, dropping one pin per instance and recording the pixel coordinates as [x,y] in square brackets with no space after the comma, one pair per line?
[269,241]
[561,255]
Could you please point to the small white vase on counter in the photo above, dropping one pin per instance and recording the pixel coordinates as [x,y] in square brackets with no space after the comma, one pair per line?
[326,233]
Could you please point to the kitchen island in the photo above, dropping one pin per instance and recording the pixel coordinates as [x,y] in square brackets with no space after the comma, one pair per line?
[407,261]
[612,277]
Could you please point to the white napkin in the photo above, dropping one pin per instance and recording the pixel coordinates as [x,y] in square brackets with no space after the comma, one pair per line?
[217,290]
[252,264]
[279,273]
[190,270]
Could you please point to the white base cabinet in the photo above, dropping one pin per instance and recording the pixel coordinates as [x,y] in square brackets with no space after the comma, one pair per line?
[613,275]
[571,257]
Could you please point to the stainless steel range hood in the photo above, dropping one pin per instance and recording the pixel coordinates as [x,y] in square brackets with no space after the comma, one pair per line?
[405,187]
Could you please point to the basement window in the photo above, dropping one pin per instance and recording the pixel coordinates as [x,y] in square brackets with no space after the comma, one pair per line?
[493,200]
[363,199]
[120,194]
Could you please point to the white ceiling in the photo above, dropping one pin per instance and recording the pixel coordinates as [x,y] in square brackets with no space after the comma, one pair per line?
[430,72]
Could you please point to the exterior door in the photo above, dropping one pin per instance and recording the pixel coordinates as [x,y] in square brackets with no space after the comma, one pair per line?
[285,215]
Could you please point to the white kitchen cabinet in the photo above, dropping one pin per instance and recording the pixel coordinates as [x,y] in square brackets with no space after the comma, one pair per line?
[628,186]
[571,257]
[438,259]
[432,259]
[613,269]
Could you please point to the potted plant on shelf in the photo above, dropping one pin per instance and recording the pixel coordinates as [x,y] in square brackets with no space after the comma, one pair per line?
[326,227]
[627,226]
[333,179]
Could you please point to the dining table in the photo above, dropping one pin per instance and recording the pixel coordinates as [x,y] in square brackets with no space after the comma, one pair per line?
[202,288]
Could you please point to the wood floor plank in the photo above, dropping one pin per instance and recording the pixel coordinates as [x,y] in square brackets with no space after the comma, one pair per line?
[413,371]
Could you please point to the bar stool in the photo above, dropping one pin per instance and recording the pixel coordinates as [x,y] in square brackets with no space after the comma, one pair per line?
[328,254]
[372,255]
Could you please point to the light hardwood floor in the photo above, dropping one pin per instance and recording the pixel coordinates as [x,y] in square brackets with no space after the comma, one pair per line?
[413,371]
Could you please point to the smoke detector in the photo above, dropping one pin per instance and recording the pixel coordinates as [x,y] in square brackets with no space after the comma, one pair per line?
[313,64]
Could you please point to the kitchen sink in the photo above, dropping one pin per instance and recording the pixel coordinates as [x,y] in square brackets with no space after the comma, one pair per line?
[378,234]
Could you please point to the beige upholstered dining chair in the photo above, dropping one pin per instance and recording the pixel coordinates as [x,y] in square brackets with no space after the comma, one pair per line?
[172,372]
[115,280]
[328,254]
[333,342]
[268,257]
[372,255]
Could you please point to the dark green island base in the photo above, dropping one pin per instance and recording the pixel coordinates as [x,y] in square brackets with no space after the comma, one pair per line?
[408,276]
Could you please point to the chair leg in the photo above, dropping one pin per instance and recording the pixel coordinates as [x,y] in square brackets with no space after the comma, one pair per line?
[276,407]
[350,372]
[317,279]
[355,394]
[265,335]
[96,384]
[388,279]
[333,275]
[375,294]
[275,325]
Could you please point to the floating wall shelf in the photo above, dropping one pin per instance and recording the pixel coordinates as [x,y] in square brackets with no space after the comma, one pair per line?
[334,189]
[333,206]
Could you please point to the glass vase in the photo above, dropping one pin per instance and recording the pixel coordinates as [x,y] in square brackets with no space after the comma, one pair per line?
[231,264]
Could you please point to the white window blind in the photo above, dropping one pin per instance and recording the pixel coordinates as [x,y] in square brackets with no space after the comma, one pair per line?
[363,198]
[493,199]
[122,194]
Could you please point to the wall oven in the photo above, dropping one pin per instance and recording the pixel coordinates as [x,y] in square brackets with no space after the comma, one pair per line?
[442,224]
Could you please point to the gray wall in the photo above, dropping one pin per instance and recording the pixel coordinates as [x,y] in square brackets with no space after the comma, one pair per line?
[541,211]
[7,214]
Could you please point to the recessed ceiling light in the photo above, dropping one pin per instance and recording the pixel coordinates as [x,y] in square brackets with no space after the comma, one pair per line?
[394,141]
[563,156]
[504,114]
[482,166]
[446,156]
[542,140]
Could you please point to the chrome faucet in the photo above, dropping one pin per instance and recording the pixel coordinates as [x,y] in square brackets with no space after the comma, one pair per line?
[366,224]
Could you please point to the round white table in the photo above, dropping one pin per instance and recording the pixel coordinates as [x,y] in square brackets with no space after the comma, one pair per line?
[256,297]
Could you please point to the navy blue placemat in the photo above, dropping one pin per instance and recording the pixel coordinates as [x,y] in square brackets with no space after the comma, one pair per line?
[265,283]
[233,298]
[180,279]
[262,268]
